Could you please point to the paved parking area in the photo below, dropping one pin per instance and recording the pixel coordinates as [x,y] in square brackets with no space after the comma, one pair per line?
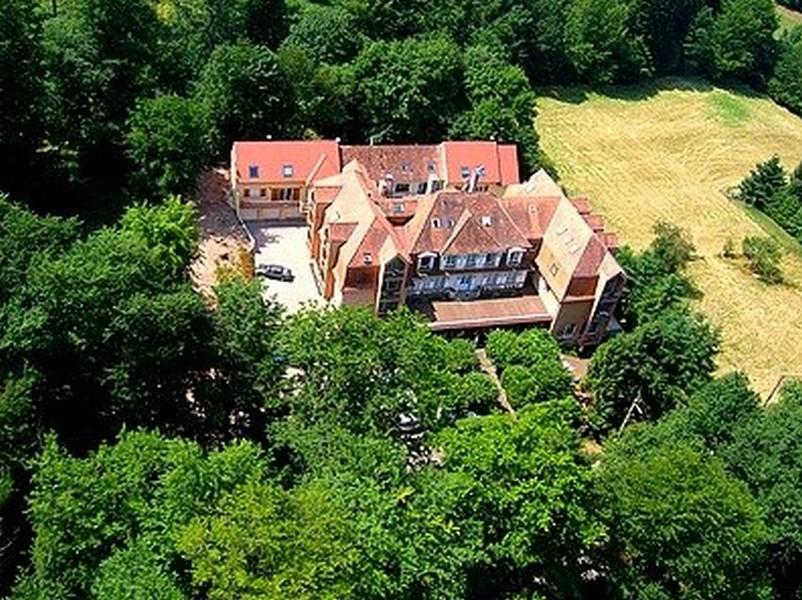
[285,245]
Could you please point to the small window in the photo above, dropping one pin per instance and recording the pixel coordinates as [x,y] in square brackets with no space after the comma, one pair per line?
[490,259]
[430,166]
[487,221]
[450,223]
[368,258]
[405,166]
[465,280]
[451,261]
[398,207]
[515,257]
[554,269]
[401,188]
[253,171]
[422,187]
[426,263]
[436,223]
[437,185]
[471,261]
[246,193]
[262,192]
[287,170]
[464,172]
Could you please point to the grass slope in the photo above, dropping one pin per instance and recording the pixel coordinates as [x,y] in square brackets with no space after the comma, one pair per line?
[668,152]
[788,18]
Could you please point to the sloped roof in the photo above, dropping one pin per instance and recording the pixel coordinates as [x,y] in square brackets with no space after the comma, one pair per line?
[404,163]
[466,222]
[500,162]
[309,160]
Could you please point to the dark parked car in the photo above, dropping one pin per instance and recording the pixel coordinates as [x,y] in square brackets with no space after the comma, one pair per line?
[275,272]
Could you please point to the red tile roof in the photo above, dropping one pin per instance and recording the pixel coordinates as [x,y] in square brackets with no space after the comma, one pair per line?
[501,167]
[308,159]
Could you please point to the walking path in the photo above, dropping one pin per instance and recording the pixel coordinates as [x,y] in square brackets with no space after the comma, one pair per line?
[488,367]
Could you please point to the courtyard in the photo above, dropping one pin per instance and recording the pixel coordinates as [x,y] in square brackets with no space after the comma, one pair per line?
[285,245]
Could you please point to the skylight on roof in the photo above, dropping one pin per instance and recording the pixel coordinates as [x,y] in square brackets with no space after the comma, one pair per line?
[253,171]
[368,258]
[287,170]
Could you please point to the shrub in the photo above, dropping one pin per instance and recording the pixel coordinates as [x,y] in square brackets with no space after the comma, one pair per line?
[728,251]
[672,247]
[764,257]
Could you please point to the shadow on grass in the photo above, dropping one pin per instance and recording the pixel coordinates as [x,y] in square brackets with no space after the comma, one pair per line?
[644,90]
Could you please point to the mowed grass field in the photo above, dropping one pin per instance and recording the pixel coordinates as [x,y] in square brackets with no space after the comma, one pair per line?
[788,18]
[668,152]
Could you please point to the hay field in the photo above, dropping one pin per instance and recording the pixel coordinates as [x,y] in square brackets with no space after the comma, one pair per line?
[668,152]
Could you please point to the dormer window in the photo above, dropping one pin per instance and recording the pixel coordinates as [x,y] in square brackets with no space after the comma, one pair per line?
[287,170]
[405,166]
[398,207]
[436,223]
[450,223]
[368,258]
[426,262]
[515,257]
[422,187]
[401,188]
[430,166]
[253,171]
[464,172]
[487,221]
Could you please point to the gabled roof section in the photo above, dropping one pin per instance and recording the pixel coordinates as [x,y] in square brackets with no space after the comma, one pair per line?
[539,185]
[403,163]
[500,162]
[461,222]
[297,162]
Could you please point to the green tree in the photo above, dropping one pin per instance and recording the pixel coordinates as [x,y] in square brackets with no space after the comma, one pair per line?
[134,574]
[766,455]
[194,28]
[245,95]
[654,367]
[530,491]
[742,43]
[409,90]
[664,25]
[679,525]
[166,142]
[600,45]
[328,33]
[100,56]
[763,182]
[785,85]
[502,104]
[21,91]
[364,373]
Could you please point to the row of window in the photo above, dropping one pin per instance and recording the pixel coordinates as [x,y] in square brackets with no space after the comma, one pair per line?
[404,188]
[253,171]
[427,262]
[469,282]
[284,194]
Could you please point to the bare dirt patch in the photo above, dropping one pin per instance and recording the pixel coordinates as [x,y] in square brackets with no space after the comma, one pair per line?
[224,243]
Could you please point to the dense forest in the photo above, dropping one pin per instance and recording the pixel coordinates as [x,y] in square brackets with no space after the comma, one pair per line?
[105,102]
[157,446]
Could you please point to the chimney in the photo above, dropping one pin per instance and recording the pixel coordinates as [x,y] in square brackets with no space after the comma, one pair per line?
[473,181]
